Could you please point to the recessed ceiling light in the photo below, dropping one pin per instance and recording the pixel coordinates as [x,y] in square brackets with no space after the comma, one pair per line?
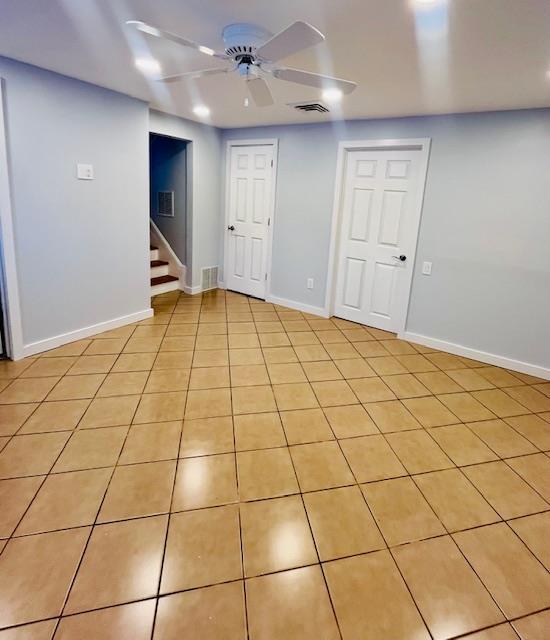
[332,95]
[426,2]
[148,66]
[201,110]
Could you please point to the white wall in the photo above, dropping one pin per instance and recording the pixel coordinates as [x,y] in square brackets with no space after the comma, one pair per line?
[81,246]
[485,224]
[204,211]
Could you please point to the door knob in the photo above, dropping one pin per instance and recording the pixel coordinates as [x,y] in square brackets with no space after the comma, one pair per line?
[402,258]
[231,228]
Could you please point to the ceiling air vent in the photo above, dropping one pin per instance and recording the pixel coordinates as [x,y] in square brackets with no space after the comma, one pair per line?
[309,106]
[209,278]
[165,203]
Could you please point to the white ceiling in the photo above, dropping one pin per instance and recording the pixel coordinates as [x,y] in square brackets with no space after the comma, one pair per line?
[494,54]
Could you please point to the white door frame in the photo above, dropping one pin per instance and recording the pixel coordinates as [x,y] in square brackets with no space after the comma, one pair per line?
[9,287]
[422,145]
[256,142]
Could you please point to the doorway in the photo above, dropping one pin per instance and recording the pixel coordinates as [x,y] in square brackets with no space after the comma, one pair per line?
[376,219]
[251,169]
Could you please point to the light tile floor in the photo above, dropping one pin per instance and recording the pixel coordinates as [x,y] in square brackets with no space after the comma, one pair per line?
[232,469]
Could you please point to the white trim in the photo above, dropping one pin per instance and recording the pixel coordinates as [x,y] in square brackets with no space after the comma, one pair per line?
[86,332]
[475,354]
[274,142]
[177,264]
[422,145]
[298,306]
[8,269]
[192,290]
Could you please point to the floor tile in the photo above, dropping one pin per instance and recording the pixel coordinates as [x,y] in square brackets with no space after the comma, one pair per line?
[535,532]
[418,452]
[498,377]
[106,346]
[48,562]
[250,375]
[371,390]
[334,393]
[139,490]
[244,341]
[258,431]
[72,349]
[28,390]
[209,613]
[456,502]
[203,548]
[320,466]
[515,579]
[266,473]
[470,380]
[44,367]
[534,428]
[12,416]
[280,354]
[253,400]
[92,448]
[501,438]
[438,382]
[141,345]
[205,482]
[341,522]
[151,442]
[465,407]
[274,340]
[31,455]
[293,605]
[306,425]
[371,458]
[462,445]
[173,360]
[207,436]
[311,353]
[446,361]
[75,387]
[276,536]
[405,385]
[500,632]
[117,384]
[178,343]
[295,396]
[416,363]
[391,416]
[162,407]
[401,511]
[133,362]
[500,403]
[450,596]
[535,470]
[55,416]
[66,500]
[15,496]
[529,397]
[133,620]
[371,600]
[34,631]
[430,412]
[505,491]
[109,412]
[322,370]
[350,421]
[167,380]
[355,368]
[122,562]
[533,627]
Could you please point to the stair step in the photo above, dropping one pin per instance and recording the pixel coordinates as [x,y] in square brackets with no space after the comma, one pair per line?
[158,263]
[163,279]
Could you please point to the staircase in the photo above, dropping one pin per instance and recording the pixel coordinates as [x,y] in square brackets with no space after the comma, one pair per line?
[162,280]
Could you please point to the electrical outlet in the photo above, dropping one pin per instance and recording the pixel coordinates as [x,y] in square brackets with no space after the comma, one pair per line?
[310,283]
[427,268]
[85,171]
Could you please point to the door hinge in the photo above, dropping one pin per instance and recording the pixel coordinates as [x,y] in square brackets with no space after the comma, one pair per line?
[271,162]
[268,221]
[266,276]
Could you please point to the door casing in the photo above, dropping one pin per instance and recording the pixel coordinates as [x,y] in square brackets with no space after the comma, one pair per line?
[422,146]
[274,142]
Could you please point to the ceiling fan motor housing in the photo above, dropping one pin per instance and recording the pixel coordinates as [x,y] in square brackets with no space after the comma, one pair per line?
[242,39]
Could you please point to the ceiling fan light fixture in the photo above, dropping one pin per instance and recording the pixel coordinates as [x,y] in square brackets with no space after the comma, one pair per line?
[201,110]
[148,66]
[332,95]
[207,50]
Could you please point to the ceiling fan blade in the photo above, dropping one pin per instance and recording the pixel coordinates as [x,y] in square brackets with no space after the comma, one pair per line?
[314,79]
[259,91]
[192,74]
[167,35]
[300,35]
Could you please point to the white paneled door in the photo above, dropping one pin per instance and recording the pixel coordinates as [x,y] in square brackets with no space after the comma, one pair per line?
[379,220]
[250,201]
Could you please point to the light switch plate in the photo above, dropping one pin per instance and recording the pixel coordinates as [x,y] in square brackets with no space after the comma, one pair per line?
[310,283]
[85,171]
[427,268]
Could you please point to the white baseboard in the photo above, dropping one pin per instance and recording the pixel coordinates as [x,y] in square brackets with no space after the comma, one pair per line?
[192,290]
[57,341]
[475,354]
[298,306]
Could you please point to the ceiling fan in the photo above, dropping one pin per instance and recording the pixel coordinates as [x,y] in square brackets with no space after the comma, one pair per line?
[254,52]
